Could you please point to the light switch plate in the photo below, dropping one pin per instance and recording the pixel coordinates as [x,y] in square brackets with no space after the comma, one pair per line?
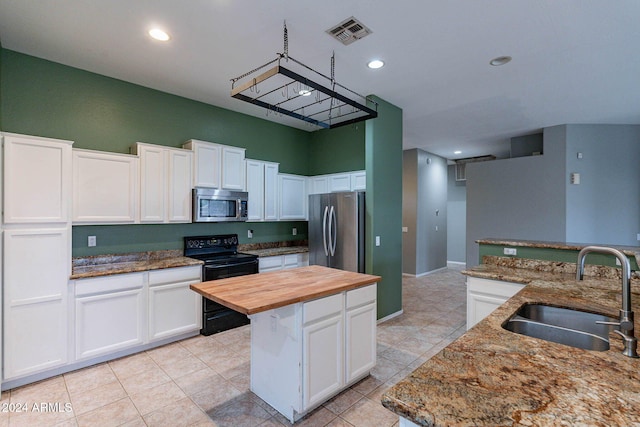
[510,251]
[91,241]
[377,240]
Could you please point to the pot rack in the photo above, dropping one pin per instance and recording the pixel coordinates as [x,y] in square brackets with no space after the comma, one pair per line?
[283,91]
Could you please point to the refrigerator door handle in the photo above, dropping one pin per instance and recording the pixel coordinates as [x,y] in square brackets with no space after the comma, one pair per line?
[333,226]
[324,230]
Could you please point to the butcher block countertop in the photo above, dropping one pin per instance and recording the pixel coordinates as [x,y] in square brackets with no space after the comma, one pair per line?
[265,291]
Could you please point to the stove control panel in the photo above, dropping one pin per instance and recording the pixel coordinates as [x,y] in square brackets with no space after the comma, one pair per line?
[217,243]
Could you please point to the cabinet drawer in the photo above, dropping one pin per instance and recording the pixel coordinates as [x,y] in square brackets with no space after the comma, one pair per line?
[117,282]
[173,275]
[361,296]
[270,262]
[323,307]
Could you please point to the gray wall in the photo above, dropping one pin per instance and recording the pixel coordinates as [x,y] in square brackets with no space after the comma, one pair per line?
[456,217]
[532,197]
[605,207]
[519,198]
[424,212]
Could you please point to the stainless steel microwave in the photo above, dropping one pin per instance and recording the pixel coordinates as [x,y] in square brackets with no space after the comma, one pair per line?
[211,205]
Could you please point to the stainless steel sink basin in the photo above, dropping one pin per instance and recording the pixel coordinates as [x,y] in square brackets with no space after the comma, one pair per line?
[566,326]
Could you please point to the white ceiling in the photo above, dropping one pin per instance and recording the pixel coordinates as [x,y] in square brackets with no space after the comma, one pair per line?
[574,61]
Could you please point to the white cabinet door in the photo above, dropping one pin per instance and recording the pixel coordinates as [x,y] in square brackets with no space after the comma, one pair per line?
[179,187]
[255,188]
[207,162]
[319,184]
[110,314]
[485,295]
[270,191]
[293,197]
[37,180]
[173,308]
[339,182]
[104,187]
[37,264]
[153,182]
[358,181]
[360,332]
[233,165]
[323,349]
[322,360]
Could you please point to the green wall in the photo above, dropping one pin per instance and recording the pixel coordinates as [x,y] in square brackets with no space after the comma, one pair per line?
[384,198]
[337,150]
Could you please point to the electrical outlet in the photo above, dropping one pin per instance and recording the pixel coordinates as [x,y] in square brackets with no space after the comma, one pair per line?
[294,231]
[250,234]
[377,240]
[91,241]
[510,251]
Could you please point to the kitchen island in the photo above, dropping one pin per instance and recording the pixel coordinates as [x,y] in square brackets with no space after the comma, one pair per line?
[313,332]
[491,376]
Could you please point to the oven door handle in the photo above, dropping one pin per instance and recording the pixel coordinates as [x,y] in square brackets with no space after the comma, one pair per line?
[238,208]
[240,264]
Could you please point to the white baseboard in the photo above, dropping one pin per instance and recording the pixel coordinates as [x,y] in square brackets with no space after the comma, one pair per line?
[389,317]
[426,273]
[456,264]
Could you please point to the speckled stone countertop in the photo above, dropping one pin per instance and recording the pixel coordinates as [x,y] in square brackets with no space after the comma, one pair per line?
[274,248]
[105,265]
[627,250]
[490,376]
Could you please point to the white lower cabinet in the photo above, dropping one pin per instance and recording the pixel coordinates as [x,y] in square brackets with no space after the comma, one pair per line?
[305,353]
[485,295]
[36,271]
[173,307]
[282,262]
[110,314]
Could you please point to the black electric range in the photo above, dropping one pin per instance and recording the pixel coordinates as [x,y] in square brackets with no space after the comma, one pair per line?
[221,260]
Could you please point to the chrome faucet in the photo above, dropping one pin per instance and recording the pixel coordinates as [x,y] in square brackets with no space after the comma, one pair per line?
[626,314]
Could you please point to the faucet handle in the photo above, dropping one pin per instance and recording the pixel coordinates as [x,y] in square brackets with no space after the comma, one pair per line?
[624,324]
[630,344]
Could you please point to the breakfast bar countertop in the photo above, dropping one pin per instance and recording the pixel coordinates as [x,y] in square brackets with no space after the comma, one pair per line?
[491,376]
[254,293]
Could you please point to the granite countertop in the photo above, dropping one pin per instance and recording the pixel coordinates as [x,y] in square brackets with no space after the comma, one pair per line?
[633,251]
[105,265]
[490,376]
[274,248]
[278,251]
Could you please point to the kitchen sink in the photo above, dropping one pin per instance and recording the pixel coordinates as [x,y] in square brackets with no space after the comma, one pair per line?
[568,326]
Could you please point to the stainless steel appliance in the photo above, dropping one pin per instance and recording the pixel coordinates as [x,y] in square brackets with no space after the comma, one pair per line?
[211,205]
[221,260]
[336,230]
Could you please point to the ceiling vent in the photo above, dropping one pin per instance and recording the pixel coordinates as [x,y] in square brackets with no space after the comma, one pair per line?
[461,165]
[348,31]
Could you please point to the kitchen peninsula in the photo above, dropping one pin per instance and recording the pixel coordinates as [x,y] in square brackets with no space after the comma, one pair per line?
[313,331]
[491,376]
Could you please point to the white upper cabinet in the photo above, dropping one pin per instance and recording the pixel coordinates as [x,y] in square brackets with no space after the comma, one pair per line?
[331,183]
[270,191]
[319,184]
[206,163]
[105,187]
[293,197]
[339,182]
[358,180]
[233,164]
[217,166]
[262,185]
[165,183]
[37,180]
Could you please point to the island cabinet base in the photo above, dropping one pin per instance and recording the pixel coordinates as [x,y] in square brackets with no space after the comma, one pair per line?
[305,353]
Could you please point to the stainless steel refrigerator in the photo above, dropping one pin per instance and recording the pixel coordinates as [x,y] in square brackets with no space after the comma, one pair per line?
[336,230]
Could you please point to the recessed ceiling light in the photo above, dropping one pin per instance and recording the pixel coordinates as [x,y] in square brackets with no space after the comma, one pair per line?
[304,92]
[500,60]
[457,152]
[375,64]
[158,34]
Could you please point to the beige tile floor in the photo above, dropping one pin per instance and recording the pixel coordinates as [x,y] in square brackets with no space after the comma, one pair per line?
[204,381]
